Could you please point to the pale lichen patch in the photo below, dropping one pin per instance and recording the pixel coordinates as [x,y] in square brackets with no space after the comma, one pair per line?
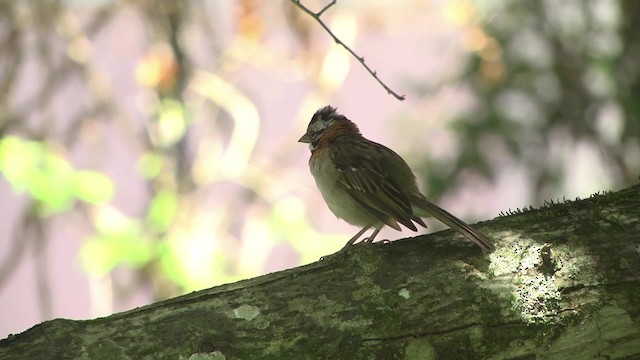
[246,312]
[404,293]
[532,274]
[216,355]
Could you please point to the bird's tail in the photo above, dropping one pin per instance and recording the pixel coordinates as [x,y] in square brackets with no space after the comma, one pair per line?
[429,209]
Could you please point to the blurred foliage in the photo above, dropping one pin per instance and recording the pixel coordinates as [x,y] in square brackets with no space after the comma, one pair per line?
[203,208]
[547,79]
[34,168]
[119,240]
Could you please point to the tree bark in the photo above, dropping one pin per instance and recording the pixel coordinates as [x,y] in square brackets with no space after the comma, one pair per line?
[564,283]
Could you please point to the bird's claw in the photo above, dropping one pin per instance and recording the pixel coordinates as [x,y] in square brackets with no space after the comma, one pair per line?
[369,241]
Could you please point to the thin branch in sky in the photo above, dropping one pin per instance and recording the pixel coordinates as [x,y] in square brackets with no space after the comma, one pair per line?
[317,16]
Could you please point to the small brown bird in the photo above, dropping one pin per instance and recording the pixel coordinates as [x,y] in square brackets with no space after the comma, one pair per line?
[368,184]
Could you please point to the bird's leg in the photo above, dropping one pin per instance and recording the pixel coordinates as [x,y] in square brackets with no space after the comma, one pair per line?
[369,240]
[346,247]
[354,238]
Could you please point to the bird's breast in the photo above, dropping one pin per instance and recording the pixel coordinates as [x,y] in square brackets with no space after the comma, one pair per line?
[339,202]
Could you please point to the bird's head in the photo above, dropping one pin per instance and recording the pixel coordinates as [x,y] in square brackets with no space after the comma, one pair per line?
[326,123]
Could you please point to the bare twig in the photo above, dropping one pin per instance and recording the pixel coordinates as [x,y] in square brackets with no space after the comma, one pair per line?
[317,16]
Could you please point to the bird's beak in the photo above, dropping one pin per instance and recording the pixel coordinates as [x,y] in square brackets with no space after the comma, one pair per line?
[305,139]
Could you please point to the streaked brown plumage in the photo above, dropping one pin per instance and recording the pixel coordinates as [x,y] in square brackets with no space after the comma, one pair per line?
[368,184]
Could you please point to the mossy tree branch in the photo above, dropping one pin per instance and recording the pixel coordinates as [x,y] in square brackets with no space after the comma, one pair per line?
[562,284]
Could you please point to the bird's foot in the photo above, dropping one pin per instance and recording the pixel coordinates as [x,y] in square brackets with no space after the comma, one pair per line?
[335,256]
[370,241]
[338,254]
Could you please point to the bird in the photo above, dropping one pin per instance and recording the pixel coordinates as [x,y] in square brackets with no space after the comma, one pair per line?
[367,184]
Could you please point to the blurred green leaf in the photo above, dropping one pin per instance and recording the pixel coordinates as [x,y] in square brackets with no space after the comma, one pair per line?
[162,210]
[30,166]
[120,245]
[18,159]
[93,187]
[170,263]
[150,164]
[50,182]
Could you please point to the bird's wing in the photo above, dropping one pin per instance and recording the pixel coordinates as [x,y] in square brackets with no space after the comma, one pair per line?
[368,182]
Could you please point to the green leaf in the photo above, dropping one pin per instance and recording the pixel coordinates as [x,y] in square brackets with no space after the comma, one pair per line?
[92,187]
[123,244]
[150,164]
[162,210]
[18,159]
[32,167]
